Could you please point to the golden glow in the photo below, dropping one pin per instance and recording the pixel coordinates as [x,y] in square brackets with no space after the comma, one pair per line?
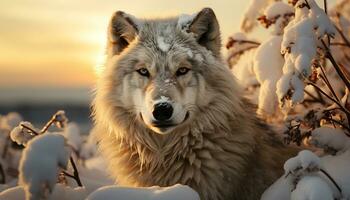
[61,43]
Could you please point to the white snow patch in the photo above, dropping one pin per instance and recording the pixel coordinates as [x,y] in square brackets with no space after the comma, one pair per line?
[185,20]
[278,8]
[304,161]
[176,192]
[268,63]
[72,134]
[162,44]
[38,169]
[312,188]
[325,137]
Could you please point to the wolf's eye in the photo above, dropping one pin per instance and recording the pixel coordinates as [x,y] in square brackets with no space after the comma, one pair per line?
[182,71]
[143,72]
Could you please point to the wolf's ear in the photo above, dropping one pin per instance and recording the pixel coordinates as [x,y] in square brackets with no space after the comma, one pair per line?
[122,30]
[205,26]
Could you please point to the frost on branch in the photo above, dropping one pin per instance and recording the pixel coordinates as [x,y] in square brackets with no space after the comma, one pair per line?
[40,163]
[299,47]
[22,135]
[60,119]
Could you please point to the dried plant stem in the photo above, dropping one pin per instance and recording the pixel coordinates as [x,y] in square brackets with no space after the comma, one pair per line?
[231,41]
[3,176]
[341,124]
[75,172]
[47,125]
[314,98]
[329,97]
[332,180]
[339,44]
[30,129]
[326,81]
[240,52]
[335,65]
[6,147]
[342,35]
[325,6]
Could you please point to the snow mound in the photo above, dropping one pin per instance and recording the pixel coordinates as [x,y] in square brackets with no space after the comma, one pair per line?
[38,169]
[326,137]
[60,192]
[312,188]
[268,63]
[176,192]
[304,161]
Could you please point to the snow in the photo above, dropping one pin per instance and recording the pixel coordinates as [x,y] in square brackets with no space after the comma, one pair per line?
[38,169]
[325,137]
[244,70]
[299,45]
[302,170]
[11,120]
[278,8]
[279,14]
[72,134]
[312,188]
[60,192]
[268,63]
[162,44]
[22,135]
[185,20]
[176,192]
[61,119]
[304,161]
[251,14]
[272,71]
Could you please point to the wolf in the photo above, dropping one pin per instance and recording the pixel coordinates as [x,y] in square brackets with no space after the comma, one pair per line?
[168,110]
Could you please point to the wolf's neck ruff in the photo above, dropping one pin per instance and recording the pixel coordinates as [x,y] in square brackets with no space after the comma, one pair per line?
[202,155]
[216,144]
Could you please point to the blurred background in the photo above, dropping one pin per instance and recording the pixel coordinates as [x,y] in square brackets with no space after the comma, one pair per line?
[51,50]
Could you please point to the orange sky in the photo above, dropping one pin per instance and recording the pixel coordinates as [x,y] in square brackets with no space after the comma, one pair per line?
[57,43]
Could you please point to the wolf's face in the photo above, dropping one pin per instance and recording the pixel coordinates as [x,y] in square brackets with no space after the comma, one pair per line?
[158,67]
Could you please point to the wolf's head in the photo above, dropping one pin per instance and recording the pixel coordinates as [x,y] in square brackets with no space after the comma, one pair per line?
[163,72]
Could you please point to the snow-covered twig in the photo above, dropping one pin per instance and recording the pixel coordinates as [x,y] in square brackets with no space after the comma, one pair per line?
[60,120]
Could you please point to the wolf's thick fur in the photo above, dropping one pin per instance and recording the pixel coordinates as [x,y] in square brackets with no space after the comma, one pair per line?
[222,150]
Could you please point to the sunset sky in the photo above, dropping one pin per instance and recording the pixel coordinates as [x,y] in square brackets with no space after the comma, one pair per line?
[58,43]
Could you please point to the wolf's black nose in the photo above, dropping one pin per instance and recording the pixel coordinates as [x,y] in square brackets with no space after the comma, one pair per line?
[162,111]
